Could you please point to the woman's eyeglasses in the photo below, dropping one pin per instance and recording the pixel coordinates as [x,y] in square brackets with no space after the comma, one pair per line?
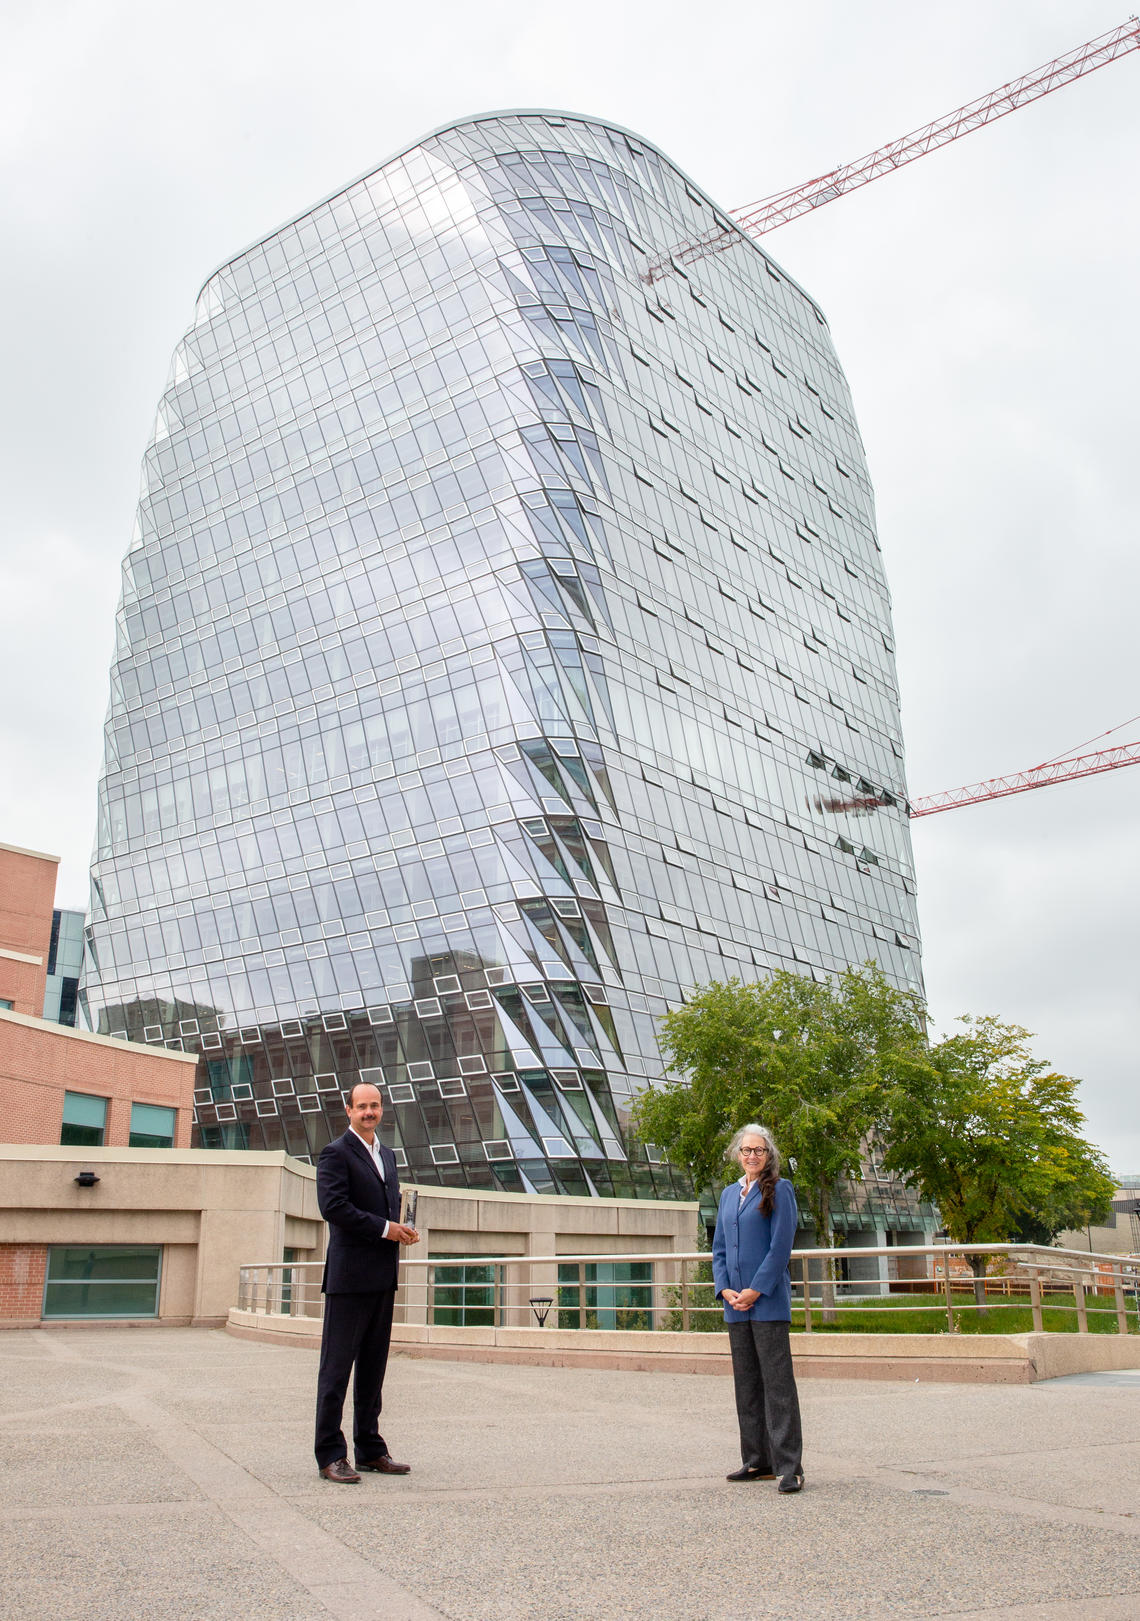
[746,1152]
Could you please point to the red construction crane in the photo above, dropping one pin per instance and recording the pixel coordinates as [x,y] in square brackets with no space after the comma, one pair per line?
[758,218]
[1038,776]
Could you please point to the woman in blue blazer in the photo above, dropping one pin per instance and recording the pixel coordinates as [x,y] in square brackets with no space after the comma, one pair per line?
[755,1231]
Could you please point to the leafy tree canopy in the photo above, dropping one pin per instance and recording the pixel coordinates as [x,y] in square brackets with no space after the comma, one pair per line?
[993,1138]
[815,1061]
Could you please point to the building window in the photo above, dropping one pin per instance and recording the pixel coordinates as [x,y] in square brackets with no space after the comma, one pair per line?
[619,1294]
[151,1126]
[111,1282]
[10,1006]
[84,1120]
[464,1294]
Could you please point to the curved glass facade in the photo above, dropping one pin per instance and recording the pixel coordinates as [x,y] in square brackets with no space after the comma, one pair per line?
[500,613]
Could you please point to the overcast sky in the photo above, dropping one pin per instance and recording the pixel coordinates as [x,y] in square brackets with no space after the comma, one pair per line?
[983,302]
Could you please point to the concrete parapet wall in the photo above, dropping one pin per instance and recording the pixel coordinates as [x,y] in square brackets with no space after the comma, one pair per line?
[205,1207]
[1055,1355]
[966,1359]
[213,1210]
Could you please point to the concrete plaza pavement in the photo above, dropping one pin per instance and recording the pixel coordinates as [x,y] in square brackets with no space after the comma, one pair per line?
[167,1473]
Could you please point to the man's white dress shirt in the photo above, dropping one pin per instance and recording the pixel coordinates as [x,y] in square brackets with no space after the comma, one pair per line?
[373,1148]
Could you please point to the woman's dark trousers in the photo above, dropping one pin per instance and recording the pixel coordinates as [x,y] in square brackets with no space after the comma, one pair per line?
[767,1405]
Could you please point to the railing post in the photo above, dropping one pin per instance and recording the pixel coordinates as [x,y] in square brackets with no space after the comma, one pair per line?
[1035,1304]
[946,1289]
[1079,1300]
[497,1297]
[430,1274]
[684,1297]
[807,1295]
[581,1294]
[1118,1293]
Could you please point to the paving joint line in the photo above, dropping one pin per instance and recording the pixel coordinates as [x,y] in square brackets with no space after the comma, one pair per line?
[1105,1607]
[343,1583]
[1032,1508]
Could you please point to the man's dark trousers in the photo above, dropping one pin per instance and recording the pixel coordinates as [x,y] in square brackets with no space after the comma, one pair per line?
[357,1329]
[360,1291]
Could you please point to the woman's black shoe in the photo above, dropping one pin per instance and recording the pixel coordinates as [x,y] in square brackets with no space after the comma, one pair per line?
[751,1474]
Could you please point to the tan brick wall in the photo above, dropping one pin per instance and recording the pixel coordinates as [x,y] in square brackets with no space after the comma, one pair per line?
[27,896]
[22,1268]
[40,1061]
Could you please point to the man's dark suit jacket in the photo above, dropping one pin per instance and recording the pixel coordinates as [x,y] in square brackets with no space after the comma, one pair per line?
[356,1204]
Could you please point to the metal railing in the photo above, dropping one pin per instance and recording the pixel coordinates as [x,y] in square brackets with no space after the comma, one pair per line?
[831,1289]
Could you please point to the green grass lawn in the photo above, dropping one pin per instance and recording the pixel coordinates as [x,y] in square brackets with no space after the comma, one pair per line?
[914,1314]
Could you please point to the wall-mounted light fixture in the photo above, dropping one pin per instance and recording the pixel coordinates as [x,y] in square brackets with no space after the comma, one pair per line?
[87,1179]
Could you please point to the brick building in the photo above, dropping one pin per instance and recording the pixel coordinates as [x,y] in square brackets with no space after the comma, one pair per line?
[64,1089]
[59,1085]
[27,895]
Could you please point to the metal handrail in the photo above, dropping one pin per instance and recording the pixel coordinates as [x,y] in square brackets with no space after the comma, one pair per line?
[675,1296]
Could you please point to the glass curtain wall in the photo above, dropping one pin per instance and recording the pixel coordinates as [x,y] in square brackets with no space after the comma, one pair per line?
[65,964]
[503,642]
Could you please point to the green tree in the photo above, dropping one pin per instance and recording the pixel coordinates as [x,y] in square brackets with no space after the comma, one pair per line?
[991,1136]
[814,1061]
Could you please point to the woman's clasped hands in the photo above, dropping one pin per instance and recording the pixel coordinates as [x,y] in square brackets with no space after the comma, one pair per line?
[739,1299]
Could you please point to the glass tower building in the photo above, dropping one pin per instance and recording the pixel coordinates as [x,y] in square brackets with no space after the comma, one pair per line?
[502,637]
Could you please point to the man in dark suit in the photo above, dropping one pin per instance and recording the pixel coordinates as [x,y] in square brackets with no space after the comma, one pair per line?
[359,1195]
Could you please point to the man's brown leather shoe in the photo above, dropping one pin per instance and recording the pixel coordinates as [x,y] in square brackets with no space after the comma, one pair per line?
[384,1466]
[340,1471]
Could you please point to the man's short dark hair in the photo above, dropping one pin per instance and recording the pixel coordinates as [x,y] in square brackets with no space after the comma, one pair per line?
[355,1084]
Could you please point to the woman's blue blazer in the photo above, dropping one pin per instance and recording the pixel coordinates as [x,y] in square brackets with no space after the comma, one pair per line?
[751,1251]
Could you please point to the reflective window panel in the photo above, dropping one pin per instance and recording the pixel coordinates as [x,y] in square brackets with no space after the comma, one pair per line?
[113,1281]
[84,1120]
[152,1126]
